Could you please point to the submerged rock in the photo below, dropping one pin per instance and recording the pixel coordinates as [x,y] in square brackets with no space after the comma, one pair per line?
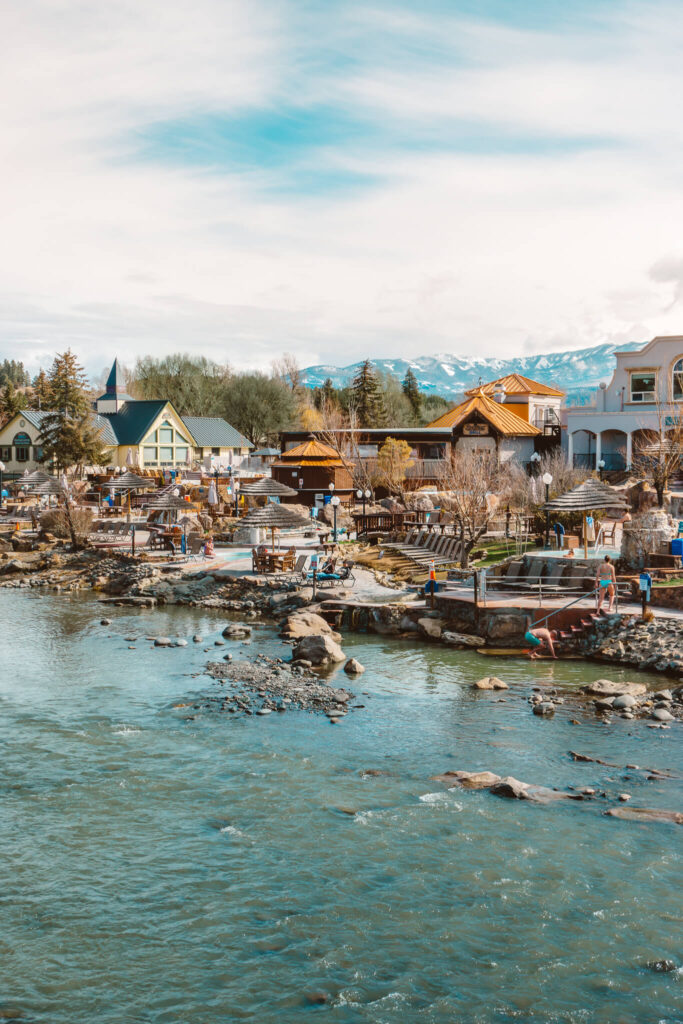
[353,667]
[646,814]
[608,688]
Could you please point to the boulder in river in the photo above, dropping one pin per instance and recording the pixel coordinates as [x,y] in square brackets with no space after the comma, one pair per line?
[304,623]
[353,667]
[236,631]
[646,814]
[318,650]
[431,627]
[162,641]
[490,683]
[608,688]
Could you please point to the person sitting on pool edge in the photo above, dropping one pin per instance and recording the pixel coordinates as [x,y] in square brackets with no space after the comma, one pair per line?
[538,638]
[605,580]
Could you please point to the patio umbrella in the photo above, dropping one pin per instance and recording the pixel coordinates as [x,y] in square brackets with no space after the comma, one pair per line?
[213,494]
[129,481]
[268,488]
[129,457]
[588,496]
[274,517]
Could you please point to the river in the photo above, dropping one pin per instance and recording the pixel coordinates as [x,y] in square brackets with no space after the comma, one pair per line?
[175,864]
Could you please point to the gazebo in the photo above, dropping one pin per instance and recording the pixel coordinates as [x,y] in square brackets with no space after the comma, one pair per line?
[587,497]
[274,517]
[311,468]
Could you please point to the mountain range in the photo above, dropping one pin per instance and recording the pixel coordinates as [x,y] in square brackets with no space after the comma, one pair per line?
[577,372]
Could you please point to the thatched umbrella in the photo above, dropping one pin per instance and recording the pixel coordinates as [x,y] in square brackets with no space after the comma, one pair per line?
[50,486]
[266,487]
[129,481]
[274,517]
[32,480]
[587,497]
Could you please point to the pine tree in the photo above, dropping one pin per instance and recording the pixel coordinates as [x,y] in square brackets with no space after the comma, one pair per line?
[412,392]
[11,402]
[367,397]
[42,394]
[329,395]
[69,434]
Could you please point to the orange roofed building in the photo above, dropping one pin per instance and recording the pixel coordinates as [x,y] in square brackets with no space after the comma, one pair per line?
[310,468]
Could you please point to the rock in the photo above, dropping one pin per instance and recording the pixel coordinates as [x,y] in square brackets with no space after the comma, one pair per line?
[624,797]
[514,789]
[180,643]
[607,688]
[509,625]
[353,667]
[467,780]
[604,703]
[545,708]
[665,966]
[664,695]
[11,567]
[236,631]
[219,643]
[431,628]
[227,657]
[162,641]
[662,715]
[624,701]
[105,622]
[305,623]
[490,683]
[318,650]
[646,814]
[197,639]
[264,711]
[462,639]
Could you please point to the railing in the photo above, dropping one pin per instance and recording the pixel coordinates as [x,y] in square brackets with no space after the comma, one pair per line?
[419,469]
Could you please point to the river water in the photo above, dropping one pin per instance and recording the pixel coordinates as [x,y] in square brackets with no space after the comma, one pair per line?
[166,864]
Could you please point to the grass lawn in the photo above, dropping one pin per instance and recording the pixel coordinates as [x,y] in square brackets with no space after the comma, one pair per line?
[496,551]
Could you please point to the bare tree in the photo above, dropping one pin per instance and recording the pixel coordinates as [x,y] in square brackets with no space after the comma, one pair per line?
[393,463]
[524,492]
[472,482]
[659,454]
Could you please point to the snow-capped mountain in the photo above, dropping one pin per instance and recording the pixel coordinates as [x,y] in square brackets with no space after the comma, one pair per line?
[578,372]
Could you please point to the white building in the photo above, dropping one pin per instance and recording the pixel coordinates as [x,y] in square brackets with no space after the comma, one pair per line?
[644,395]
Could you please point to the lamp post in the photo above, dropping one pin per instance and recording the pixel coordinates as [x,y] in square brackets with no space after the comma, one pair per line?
[601,466]
[2,470]
[547,480]
[335,506]
[534,460]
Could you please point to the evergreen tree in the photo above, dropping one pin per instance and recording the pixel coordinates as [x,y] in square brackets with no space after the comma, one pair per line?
[42,395]
[412,392]
[329,395]
[11,402]
[10,370]
[367,397]
[69,434]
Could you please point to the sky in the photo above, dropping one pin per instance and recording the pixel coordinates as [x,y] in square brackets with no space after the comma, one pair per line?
[239,178]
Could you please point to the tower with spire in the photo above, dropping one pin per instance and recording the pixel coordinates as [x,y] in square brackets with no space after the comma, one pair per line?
[115,395]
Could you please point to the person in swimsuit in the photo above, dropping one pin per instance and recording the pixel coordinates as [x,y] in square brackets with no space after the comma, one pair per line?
[605,580]
[538,638]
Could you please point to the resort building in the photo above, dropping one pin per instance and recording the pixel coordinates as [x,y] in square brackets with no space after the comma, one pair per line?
[644,396]
[148,434]
[511,418]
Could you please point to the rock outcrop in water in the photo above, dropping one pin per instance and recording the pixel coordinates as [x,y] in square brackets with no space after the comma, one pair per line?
[267,684]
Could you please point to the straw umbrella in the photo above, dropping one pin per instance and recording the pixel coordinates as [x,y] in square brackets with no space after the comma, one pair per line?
[32,480]
[274,517]
[266,487]
[212,497]
[587,497]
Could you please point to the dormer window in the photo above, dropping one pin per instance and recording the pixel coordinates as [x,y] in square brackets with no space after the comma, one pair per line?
[677,375]
[644,386]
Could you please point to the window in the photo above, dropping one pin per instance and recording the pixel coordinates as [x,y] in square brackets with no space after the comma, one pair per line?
[215,451]
[5,454]
[643,387]
[165,455]
[166,435]
[23,454]
[678,381]
[22,447]
[181,454]
[151,438]
[149,455]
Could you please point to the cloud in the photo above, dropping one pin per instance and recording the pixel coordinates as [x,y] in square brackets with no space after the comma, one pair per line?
[242,177]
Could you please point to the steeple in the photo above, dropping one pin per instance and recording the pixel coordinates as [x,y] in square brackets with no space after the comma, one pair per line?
[115,394]
[115,382]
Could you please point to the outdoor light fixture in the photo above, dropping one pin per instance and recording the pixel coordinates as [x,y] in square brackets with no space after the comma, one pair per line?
[547,480]
[2,470]
[601,466]
[335,506]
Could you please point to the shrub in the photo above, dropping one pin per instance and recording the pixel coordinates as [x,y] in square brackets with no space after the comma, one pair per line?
[54,521]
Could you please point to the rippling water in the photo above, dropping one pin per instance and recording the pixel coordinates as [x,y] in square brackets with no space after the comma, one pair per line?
[165,864]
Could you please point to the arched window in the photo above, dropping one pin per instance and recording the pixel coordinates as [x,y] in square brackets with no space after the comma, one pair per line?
[677,375]
[22,447]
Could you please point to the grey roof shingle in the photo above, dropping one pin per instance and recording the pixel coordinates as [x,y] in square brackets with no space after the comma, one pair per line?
[36,416]
[215,432]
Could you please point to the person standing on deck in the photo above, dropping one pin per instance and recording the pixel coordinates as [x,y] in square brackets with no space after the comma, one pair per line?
[605,583]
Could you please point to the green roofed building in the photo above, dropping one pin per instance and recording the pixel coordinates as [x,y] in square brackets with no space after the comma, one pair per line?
[154,433]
